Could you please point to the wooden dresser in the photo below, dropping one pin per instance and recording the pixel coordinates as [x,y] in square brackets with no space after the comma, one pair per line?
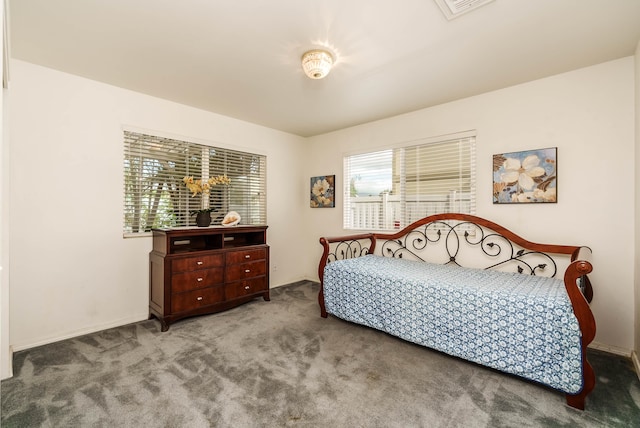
[202,270]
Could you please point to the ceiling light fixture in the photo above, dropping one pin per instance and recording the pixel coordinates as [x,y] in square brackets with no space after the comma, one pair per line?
[317,63]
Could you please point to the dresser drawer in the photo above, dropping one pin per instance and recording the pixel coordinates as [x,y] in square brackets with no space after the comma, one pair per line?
[235,257]
[196,279]
[197,262]
[246,287]
[197,298]
[246,270]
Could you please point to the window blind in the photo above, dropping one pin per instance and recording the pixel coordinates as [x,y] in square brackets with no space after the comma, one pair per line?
[390,189]
[155,195]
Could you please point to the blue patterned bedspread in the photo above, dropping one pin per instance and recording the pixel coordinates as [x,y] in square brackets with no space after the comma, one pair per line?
[519,324]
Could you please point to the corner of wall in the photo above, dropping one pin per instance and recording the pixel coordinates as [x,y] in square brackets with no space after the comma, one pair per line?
[636,363]
[637,211]
[6,352]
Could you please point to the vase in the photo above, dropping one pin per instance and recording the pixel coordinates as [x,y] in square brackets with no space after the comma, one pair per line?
[203,219]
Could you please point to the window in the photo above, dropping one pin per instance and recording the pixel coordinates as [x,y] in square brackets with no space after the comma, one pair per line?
[155,195]
[390,189]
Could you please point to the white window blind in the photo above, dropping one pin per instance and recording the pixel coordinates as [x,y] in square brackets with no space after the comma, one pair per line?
[155,195]
[390,189]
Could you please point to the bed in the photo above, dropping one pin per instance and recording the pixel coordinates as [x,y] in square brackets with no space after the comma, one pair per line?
[472,289]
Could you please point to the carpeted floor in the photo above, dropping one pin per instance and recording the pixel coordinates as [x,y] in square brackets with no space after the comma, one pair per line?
[277,364]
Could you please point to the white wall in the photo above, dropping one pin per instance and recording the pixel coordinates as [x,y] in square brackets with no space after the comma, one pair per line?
[589,115]
[71,270]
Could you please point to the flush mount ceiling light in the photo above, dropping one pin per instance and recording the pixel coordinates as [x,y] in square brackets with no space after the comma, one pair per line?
[317,63]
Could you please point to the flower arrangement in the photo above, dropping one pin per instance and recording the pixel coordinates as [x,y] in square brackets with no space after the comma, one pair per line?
[197,187]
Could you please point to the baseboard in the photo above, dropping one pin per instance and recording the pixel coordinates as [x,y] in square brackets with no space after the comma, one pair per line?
[81,332]
[7,371]
[294,283]
[610,349]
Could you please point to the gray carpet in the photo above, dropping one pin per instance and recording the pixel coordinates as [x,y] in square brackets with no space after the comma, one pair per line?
[277,364]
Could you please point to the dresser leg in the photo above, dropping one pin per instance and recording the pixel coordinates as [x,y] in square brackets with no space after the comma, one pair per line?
[266,297]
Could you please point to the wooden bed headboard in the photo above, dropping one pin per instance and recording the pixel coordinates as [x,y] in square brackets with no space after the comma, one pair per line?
[461,239]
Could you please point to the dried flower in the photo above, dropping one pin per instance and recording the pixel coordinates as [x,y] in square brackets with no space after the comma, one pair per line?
[199,186]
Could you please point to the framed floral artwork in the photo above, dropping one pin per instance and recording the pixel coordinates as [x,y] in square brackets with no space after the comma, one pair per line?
[529,176]
[323,191]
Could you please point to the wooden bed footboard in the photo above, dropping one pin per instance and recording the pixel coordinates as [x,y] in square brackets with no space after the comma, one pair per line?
[449,238]
[580,293]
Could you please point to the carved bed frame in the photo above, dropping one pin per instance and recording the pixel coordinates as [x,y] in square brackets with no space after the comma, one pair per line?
[502,248]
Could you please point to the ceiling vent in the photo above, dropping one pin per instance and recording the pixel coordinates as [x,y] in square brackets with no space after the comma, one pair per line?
[454,8]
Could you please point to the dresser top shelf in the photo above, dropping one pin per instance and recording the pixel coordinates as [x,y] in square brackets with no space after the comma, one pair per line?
[194,239]
[207,230]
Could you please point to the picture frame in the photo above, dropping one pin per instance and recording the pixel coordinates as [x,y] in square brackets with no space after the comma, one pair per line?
[529,176]
[322,191]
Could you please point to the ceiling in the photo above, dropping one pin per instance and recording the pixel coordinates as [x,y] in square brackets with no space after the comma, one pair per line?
[241,58]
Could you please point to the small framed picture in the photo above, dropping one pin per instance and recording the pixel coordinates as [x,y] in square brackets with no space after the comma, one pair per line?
[323,191]
[525,177]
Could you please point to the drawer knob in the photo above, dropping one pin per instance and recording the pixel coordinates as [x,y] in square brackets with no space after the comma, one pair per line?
[247,270]
[246,287]
[247,256]
[199,262]
[199,279]
[199,298]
